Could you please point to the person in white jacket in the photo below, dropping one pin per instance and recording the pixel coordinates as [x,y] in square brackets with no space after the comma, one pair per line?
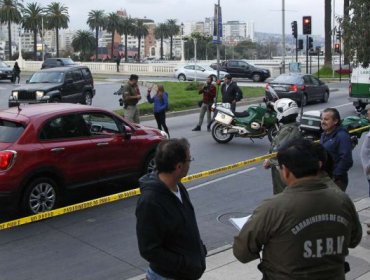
[365,159]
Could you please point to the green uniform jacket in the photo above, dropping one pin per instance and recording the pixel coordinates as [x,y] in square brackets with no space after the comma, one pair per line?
[303,233]
[128,91]
[287,132]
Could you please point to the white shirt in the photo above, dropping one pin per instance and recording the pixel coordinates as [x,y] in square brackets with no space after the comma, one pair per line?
[178,193]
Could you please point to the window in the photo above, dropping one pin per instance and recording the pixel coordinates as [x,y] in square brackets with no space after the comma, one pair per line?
[101,124]
[10,131]
[69,126]
[86,73]
[77,75]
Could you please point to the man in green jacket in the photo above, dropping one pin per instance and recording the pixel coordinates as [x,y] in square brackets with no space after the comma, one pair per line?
[305,231]
[287,112]
[131,96]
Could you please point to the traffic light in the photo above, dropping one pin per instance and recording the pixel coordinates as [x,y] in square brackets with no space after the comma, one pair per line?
[310,43]
[306,25]
[339,35]
[300,44]
[294,29]
[337,48]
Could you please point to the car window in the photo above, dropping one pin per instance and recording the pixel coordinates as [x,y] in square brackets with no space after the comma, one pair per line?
[198,68]
[233,64]
[68,126]
[307,80]
[59,62]
[47,77]
[288,79]
[2,64]
[243,64]
[315,81]
[189,67]
[68,61]
[86,73]
[51,62]
[10,131]
[101,124]
[77,75]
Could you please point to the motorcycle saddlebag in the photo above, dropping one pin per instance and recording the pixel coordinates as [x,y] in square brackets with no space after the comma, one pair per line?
[310,121]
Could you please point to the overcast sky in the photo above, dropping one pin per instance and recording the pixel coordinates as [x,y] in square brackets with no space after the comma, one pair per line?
[266,14]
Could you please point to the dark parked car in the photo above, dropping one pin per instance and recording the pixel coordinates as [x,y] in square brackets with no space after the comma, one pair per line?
[302,88]
[47,150]
[6,72]
[57,62]
[240,68]
[73,84]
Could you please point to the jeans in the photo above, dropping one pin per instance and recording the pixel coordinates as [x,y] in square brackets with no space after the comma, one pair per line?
[151,275]
[160,117]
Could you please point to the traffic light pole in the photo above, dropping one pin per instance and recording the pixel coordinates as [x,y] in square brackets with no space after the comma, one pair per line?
[307,54]
[296,49]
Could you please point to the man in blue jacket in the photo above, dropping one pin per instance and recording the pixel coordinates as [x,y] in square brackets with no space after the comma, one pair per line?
[166,227]
[336,140]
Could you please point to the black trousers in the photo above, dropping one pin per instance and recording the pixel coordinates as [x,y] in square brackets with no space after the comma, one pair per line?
[160,117]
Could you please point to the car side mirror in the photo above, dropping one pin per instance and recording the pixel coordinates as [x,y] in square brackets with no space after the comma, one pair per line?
[126,132]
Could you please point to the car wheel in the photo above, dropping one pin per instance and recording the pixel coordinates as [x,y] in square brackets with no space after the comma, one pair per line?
[325,97]
[87,98]
[256,78]
[149,165]
[40,195]
[303,100]
[181,77]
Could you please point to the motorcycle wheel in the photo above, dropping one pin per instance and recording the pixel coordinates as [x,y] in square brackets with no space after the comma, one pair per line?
[219,136]
[271,133]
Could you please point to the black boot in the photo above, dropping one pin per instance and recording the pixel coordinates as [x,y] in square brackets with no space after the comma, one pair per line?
[197,128]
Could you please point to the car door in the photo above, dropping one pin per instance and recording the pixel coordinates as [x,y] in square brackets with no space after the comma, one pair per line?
[68,90]
[115,154]
[67,146]
[201,72]
[189,72]
[233,68]
[309,88]
[78,85]
[245,69]
[319,88]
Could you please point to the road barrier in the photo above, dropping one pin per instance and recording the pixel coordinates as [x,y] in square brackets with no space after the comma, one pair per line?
[134,192]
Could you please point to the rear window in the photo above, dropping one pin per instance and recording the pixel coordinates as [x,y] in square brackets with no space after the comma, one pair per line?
[288,79]
[10,131]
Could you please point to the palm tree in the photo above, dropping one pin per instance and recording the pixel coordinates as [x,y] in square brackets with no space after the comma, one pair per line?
[57,17]
[96,20]
[113,23]
[161,32]
[127,27]
[10,12]
[31,21]
[327,20]
[84,42]
[173,29]
[141,30]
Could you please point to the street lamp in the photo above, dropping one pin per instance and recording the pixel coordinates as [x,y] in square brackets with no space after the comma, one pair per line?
[182,43]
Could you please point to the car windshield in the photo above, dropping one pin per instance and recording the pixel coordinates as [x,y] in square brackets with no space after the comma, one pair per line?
[3,64]
[287,79]
[10,131]
[68,61]
[47,77]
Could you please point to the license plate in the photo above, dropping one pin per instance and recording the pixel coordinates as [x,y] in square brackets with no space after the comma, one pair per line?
[223,118]
[9,76]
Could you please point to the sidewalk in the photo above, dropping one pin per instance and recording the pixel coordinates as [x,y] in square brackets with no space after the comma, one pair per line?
[221,263]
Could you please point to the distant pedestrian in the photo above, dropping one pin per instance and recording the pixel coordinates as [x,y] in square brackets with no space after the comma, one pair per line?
[230,91]
[209,94]
[131,96]
[16,72]
[304,232]
[166,227]
[160,100]
[118,61]
[286,113]
[336,140]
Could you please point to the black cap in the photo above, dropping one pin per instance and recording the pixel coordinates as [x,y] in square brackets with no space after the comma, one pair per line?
[228,76]
[134,77]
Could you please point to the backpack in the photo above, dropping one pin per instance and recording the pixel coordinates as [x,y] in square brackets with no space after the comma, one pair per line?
[239,94]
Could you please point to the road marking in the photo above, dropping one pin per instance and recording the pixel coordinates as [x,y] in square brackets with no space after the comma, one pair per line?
[346,104]
[221,178]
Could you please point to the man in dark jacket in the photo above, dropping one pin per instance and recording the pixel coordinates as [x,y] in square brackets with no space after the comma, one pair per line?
[305,231]
[230,91]
[337,142]
[166,228]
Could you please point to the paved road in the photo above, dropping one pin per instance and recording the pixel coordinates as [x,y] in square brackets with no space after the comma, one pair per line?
[100,243]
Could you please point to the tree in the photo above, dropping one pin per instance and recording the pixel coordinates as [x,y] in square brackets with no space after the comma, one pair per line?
[56,18]
[328,57]
[346,17]
[96,21]
[10,11]
[32,21]
[161,33]
[141,30]
[127,27]
[84,42]
[356,32]
[172,30]
[113,23]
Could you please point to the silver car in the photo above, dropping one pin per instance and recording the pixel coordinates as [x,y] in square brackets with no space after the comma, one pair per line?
[197,72]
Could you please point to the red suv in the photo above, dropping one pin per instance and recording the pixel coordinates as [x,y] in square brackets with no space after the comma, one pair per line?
[48,149]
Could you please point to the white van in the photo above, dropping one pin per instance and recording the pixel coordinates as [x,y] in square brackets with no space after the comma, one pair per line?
[359,88]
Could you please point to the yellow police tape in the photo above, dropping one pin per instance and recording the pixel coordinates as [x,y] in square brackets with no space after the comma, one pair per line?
[134,192]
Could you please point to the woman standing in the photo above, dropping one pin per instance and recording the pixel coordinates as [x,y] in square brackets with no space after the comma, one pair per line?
[160,101]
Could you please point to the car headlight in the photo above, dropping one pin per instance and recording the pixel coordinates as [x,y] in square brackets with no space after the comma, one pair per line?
[164,134]
[14,95]
[39,94]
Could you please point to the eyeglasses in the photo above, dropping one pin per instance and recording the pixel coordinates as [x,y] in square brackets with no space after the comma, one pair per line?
[190,159]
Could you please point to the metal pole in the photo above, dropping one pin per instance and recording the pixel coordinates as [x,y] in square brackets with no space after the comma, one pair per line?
[318,63]
[195,57]
[218,50]
[283,34]
[182,43]
[307,54]
[296,49]
[333,39]
[42,38]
